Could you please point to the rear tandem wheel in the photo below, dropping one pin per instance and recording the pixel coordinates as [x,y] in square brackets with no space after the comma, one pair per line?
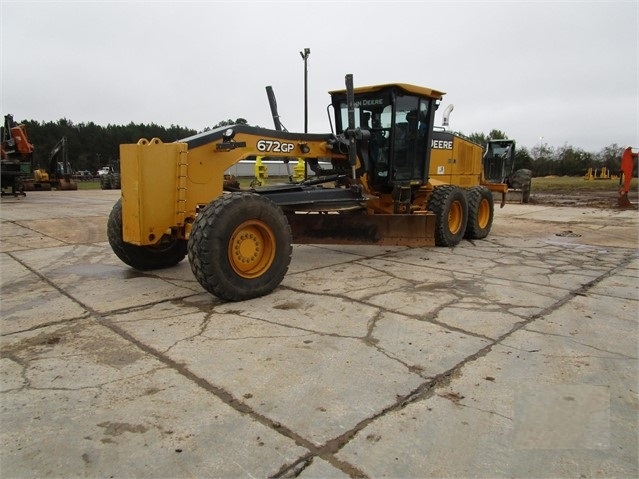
[240,246]
[480,212]
[450,206]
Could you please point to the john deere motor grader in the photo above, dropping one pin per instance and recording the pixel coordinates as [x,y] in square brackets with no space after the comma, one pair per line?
[376,191]
[499,167]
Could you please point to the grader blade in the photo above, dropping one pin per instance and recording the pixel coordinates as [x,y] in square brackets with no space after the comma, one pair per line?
[388,230]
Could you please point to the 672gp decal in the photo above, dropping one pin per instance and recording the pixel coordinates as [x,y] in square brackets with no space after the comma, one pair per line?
[274,146]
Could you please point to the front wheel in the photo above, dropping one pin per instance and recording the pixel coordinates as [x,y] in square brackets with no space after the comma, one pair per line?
[450,206]
[168,252]
[480,212]
[240,246]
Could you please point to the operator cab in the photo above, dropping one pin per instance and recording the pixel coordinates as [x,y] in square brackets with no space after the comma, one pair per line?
[400,119]
[499,160]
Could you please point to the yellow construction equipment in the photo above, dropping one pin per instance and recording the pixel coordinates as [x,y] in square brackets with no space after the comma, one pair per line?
[598,174]
[499,167]
[57,174]
[260,172]
[367,182]
[19,170]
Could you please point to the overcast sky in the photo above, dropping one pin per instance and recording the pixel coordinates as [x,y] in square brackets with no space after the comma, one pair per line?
[557,72]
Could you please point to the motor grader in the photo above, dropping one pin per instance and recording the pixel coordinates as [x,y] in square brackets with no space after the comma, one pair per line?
[367,182]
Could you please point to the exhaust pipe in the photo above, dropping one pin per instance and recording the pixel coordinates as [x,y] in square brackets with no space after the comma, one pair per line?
[446,116]
[273,104]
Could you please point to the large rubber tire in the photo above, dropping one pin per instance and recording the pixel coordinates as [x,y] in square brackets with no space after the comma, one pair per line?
[168,252]
[105,182]
[522,180]
[240,246]
[525,194]
[481,209]
[450,206]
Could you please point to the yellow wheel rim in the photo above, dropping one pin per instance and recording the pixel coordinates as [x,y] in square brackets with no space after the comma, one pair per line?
[483,213]
[455,217]
[252,249]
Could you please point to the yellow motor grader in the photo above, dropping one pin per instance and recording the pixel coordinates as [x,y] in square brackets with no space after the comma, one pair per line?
[367,182]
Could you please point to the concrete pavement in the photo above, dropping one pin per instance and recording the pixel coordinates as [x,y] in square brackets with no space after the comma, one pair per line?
[514,356]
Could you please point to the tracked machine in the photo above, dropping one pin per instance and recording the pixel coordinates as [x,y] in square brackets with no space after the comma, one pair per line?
[19,169]
[367,182]
[57,174]
[16,157]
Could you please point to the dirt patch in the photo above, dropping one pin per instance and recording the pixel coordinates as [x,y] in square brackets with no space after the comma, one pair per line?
[584,199]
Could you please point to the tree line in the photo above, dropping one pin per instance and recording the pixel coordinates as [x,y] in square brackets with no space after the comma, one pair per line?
[91,146]
[544,160]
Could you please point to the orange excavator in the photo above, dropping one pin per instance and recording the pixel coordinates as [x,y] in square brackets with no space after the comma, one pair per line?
[628,159]
[16,156]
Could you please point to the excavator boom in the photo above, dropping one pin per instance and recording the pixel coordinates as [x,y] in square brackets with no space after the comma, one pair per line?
[627,166]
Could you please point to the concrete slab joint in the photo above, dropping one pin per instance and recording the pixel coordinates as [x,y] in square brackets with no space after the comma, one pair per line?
[511,356]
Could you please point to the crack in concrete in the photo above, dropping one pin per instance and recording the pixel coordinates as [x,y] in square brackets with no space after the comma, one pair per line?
[37,232]
[586,345]
[203,324]
[492,413]
[49,324]
[24,365]
[428,388]
[329,449]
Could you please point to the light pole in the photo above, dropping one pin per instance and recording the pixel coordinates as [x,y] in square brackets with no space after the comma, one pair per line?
[541,139]
[305,54]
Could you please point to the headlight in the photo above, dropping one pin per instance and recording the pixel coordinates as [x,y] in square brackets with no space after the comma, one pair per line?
[228,135]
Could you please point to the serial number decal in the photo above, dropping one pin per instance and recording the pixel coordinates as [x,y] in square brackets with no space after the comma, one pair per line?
[274,146]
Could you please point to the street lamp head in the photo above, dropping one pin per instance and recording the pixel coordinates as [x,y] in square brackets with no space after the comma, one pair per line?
[305,53]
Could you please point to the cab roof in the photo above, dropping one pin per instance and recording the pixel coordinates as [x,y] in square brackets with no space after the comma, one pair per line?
[408,88]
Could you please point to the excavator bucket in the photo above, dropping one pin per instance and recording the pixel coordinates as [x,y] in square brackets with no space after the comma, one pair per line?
[623,201]
[67,184]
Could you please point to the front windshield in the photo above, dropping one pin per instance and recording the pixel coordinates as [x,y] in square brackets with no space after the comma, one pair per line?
[370,112]
[396,149]
[499,150]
